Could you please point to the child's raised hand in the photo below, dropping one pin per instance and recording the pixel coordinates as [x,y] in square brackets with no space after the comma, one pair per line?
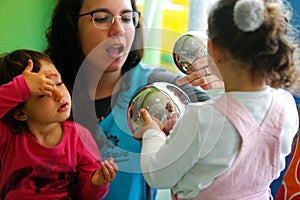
[150,122]
[39,83]
[105,173]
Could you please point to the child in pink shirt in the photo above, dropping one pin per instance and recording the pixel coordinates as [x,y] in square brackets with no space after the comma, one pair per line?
[42,154]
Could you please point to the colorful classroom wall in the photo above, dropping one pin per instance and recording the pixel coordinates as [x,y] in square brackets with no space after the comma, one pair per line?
[24,22]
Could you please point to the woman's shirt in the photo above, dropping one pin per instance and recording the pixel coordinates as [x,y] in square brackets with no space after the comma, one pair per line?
[119,142]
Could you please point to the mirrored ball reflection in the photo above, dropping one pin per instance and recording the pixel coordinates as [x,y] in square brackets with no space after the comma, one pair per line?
[164,101]
[188,50]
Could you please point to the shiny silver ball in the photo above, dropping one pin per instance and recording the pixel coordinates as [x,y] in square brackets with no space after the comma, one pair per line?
[188,50]
[164,101]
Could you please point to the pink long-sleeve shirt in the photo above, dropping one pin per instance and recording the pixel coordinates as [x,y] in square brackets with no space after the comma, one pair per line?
[29,170]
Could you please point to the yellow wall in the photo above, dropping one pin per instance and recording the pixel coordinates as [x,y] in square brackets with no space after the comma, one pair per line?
[174,23]
[182,2]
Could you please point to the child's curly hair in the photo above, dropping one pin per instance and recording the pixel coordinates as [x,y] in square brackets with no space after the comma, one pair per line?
[268,48]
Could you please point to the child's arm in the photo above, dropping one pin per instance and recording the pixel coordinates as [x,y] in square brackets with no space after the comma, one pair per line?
[96,186]
[22,87]
[13,93]
[165,160]
[94,175]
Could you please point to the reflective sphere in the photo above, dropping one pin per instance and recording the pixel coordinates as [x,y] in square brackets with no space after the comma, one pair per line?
[164,101]
[188,50]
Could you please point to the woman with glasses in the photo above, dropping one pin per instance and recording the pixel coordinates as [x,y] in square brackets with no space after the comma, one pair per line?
[97,45]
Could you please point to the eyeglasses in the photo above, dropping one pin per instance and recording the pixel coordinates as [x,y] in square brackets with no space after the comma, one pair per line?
[104,20]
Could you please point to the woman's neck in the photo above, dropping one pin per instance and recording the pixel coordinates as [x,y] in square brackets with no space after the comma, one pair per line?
[100,84]
[108,84]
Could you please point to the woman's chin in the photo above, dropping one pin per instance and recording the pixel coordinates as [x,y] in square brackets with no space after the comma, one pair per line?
[113,68]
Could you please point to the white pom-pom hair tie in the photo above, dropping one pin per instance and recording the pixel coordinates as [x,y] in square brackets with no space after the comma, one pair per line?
[248,15]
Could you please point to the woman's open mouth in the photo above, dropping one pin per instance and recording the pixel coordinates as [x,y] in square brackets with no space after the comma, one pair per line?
[115,51]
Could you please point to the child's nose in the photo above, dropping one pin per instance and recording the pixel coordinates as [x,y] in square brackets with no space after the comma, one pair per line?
[57,94]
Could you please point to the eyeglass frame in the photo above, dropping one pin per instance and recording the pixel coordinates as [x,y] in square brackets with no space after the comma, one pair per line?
[91,13]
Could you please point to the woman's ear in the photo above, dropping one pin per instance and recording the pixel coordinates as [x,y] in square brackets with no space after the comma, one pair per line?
[20,115]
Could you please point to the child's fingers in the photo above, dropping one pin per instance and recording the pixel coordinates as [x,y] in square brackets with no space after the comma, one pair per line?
[146,117]
[149,120]
[29,66]
[48,90]
[46,86]
[160,124]
[149,123]
[104,172]
[39,83]
[48,82]
[110,170]
[113,164]
[49,73]
[98,177]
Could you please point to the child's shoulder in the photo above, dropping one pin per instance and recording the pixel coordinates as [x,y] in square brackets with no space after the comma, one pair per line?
[283,94]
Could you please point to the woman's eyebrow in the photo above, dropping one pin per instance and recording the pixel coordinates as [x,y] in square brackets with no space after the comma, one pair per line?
[108,11]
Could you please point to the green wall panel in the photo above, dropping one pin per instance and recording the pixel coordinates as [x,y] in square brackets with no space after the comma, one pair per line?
[23,23]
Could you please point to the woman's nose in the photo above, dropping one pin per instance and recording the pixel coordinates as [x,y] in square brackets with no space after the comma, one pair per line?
[116,27]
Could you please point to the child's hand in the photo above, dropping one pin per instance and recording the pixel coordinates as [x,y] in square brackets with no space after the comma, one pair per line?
[150,122]
[105,173]
[39,83]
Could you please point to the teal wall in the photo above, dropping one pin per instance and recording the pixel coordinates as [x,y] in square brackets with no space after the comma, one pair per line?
[23,23]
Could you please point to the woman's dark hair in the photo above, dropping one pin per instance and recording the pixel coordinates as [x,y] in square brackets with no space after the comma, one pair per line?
[11,65]
[65,52]
[268,49]
[63,44]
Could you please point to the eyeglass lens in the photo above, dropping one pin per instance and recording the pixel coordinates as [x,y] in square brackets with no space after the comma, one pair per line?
[104,20]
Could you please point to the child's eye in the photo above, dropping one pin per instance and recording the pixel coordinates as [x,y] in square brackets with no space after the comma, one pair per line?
[59,84]
[42,96]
